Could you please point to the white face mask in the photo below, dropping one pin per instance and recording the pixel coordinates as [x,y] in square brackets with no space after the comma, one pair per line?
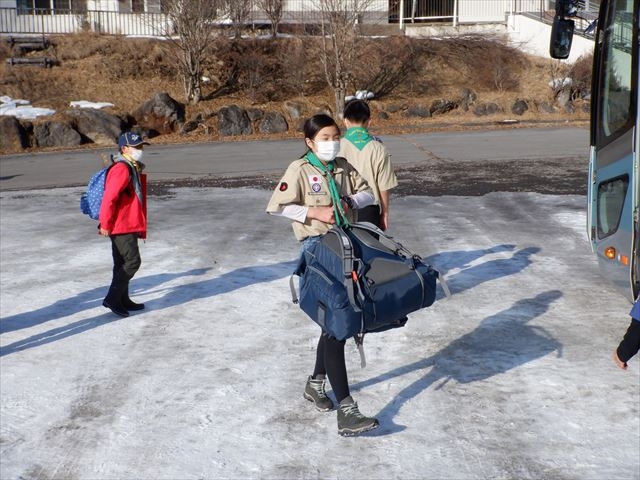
[327,151]
[135,154]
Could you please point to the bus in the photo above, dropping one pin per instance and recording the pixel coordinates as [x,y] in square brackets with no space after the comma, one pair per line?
[614,176]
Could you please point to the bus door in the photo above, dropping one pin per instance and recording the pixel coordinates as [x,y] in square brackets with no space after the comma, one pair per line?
[613,169]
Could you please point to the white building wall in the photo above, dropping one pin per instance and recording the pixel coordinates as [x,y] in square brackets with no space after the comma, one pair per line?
[533,37]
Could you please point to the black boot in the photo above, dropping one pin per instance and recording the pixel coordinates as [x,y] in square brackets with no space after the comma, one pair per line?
[113,300]
[130,304]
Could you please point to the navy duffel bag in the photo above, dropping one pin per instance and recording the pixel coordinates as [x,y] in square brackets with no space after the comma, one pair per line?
[357,279]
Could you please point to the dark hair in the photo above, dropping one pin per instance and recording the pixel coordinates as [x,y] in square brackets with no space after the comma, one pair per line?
[316,123]
[357,111]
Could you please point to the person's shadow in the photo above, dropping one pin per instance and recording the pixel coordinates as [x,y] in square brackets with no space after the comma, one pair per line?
[500,343]
[170,296]
[470,276]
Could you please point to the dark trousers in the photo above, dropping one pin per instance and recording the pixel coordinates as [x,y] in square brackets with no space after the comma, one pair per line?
[330,362]
[370,214]
[126,262]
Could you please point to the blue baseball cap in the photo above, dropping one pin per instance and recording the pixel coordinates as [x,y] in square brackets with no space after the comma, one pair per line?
[130,139]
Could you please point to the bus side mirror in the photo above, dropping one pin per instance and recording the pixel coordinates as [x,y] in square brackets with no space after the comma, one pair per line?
[561,37]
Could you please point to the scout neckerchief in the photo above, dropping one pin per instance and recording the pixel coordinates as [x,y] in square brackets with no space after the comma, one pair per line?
[327,171]
[359,136]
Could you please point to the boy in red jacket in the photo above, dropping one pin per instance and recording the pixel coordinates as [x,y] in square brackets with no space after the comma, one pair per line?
[123,218]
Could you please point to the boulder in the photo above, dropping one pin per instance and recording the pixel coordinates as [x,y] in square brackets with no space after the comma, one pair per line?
[161,113]
[486,109]
[467,98]
[439,107]
[233,120]
[55,134]
[294,108]
[96,125]
[13,136]
[546,107]
[255,114]
[417,111]
[519,107]
[273,122]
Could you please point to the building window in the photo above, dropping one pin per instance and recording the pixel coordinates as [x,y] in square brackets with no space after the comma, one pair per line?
[43,7]
[137,6]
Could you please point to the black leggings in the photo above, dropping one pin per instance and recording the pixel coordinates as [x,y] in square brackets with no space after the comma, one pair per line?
[630,344]
[330,362]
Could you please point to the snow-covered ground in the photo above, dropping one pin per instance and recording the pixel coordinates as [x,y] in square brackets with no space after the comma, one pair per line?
[511,378]
[23,109]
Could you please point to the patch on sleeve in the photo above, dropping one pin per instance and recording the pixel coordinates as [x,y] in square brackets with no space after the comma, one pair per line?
[283,186]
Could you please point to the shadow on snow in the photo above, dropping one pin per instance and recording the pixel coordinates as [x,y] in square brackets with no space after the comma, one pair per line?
[500,343]
[170,296]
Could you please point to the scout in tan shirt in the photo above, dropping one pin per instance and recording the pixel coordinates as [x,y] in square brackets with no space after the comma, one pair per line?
[370,157]
[317,191]
[305,186]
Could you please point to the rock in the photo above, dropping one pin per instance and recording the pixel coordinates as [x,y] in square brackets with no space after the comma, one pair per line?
[486,109]
[189,126]
[383,115]
[273,122]
[13,136]
[394,108]
[563,97]
[55,134]
[161,113]
[417,111]
[255,114]
[519,107]
[234,120]
[95,125]
[546,107]
[467,98]
[439,107]
[294,109]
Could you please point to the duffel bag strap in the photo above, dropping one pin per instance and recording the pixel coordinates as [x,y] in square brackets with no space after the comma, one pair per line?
[347,266]
[294,294]
[359,339]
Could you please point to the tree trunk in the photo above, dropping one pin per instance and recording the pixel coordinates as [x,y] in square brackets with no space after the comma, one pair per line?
[339,93]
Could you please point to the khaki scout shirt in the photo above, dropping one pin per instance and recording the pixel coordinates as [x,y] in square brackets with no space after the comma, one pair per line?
[373,163]
[303,184]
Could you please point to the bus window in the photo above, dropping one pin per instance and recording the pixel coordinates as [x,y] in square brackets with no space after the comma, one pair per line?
[616,110]
[611,195]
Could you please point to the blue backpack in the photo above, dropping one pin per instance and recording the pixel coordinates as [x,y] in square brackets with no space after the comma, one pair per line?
[91,200]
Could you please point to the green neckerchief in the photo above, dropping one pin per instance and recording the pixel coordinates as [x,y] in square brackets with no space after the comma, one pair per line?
[359,136]
[327,172]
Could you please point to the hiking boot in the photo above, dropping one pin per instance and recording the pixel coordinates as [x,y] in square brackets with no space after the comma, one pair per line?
[116,308]
[131,305]
[351,421]
[314,392]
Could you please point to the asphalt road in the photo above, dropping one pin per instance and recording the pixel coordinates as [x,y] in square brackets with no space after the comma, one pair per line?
[544,160]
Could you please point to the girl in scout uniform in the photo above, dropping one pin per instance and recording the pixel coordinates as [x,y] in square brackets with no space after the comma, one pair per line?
[315,190]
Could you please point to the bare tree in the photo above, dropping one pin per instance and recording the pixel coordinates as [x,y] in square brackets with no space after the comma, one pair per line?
[192,28]
[273,10]
[239,11]
[341,31]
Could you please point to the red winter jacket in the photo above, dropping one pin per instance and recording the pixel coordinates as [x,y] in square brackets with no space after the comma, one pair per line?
[121,210]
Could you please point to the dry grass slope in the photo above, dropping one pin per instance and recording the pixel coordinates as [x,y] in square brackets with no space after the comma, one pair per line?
[264,72]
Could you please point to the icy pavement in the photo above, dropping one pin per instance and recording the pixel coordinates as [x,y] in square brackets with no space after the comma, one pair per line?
[510,378]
